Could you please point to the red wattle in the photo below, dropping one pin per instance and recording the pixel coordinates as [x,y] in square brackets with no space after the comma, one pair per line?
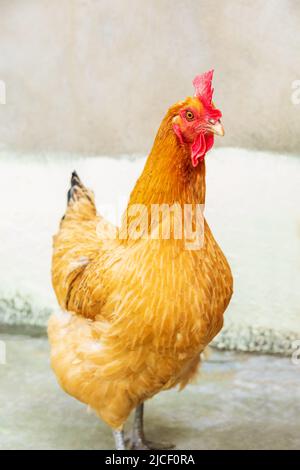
[209,138]
[200,146]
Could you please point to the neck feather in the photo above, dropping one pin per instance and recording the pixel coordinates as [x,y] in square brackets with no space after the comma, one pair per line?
[168,175]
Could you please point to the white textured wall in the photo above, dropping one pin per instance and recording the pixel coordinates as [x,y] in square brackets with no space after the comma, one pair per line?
[97,75]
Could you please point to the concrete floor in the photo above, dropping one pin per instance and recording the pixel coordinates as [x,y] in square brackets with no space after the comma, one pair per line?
[240,401]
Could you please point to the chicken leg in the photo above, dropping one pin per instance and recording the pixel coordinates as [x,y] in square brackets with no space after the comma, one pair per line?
[119,440]
[138,440]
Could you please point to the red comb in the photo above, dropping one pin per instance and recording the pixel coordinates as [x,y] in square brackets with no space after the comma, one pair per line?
[203,88]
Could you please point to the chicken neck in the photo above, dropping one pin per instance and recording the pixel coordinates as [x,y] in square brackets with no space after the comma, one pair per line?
[168,176]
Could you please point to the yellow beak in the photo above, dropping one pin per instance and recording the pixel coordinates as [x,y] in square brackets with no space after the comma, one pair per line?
[217,128]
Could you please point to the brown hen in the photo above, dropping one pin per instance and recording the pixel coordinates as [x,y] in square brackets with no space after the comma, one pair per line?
[139,307]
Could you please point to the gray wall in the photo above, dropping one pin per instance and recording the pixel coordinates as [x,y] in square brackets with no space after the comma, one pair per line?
[96,76]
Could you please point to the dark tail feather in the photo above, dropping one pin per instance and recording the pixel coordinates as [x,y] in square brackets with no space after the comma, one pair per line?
[78,191]
[75,184]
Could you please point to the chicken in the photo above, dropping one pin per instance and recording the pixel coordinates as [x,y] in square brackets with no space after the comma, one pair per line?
[137,310]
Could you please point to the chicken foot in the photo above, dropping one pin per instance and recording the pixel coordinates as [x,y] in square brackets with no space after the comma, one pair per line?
[138,440]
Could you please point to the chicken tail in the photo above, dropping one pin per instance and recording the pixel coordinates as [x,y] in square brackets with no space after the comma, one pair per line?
[80,201]
[77,190]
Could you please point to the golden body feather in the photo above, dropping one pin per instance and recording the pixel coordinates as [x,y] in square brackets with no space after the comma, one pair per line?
[137,313]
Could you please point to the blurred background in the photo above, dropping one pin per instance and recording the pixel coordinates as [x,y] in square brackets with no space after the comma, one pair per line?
[84,85]
[95,76]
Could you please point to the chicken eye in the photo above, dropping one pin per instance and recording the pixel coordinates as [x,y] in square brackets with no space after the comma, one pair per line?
[189,115]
